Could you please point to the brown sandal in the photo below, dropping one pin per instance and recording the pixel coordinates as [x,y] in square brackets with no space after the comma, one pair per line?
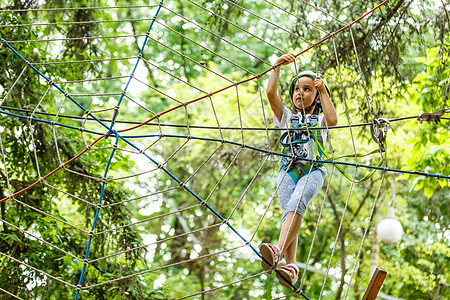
[271,254]
[290,273]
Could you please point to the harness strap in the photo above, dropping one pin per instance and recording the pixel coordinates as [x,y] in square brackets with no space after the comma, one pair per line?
[295,174]
[319,152]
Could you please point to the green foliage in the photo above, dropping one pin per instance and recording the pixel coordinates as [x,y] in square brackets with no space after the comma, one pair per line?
[155,231]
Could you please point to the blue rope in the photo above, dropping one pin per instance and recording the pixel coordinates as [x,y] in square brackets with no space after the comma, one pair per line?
[51,122]
[66,94]
[116,112]
[437,176]
[97,213]
[208,207]
[123,138]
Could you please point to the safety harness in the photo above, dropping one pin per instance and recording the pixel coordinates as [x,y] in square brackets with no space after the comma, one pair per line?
[296,138]
[295,142]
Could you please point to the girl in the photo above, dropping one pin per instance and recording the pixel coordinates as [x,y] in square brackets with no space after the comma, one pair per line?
[295,188]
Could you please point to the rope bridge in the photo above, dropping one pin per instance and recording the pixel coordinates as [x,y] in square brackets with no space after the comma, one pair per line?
[103,134]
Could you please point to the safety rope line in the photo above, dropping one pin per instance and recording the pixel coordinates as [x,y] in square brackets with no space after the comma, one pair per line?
[210,290]
[74,117]
[171,75]
[269,203]
[69,194]
[5,175]
[224,174]
[55,138]
[158,91]
[89,79]
[130,176]
[247,188]
[111,230]
[88,61]
[204,162]
[338,233]
[239,115]
[194,61]
[323,11]
[366,94]
[97,95]
[357,165]
[140,105]
[46,214]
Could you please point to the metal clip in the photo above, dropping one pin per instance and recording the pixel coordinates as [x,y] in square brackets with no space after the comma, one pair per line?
[378,129]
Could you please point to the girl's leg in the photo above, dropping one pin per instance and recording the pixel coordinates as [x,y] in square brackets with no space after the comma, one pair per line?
[291,251]
[288,236]
[306,188]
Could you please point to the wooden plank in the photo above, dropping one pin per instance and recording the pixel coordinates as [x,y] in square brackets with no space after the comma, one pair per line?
[375,284]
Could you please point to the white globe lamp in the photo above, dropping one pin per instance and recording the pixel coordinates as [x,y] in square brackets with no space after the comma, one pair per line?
[390,230]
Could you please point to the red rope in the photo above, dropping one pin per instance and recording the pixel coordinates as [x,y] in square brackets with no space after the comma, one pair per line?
[189,102]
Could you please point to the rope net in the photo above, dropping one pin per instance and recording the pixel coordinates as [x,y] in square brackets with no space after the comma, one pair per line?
[148,154]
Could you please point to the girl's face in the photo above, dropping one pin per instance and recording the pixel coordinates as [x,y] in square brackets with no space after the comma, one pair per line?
[304,92]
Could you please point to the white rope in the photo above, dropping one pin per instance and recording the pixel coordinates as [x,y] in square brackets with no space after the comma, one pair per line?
[188,127]
[37,270]
[12,295]
[365,234]
[13,85]
[77,8]
[41,240]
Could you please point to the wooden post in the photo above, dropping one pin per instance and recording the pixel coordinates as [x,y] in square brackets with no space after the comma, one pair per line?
[375,284]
